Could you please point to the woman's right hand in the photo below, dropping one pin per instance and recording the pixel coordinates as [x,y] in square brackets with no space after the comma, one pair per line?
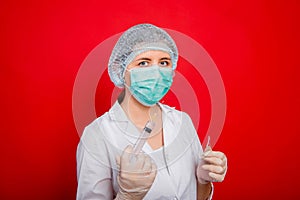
[137,173]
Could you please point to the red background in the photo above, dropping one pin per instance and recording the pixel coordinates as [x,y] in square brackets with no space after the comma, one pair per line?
[255,45]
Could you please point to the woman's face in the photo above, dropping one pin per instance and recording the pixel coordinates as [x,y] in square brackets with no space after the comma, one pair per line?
[147,59]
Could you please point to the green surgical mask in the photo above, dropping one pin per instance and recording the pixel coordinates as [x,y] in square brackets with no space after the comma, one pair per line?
[150,84]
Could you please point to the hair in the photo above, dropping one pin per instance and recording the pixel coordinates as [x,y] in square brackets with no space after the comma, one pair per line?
[121,96]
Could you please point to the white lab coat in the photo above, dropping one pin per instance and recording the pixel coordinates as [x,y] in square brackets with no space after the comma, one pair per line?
[108,135]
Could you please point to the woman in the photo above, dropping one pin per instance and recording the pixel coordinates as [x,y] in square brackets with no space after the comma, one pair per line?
[171,164]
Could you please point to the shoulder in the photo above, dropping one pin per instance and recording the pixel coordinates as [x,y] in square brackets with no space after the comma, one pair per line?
[92,147]
[93,131]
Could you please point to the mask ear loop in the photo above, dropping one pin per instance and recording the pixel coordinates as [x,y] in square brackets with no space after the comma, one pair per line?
[128,87]
[123,77]
[154,117]
[174,73]
[130,97]
[153,113]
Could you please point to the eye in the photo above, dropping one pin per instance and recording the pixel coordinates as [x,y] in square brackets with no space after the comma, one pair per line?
[143,63]
[164,63]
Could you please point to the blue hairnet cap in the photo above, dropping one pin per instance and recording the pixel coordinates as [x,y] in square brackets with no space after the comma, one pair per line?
[134,41]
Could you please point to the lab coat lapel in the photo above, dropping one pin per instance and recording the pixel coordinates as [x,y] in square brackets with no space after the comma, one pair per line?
[127,128]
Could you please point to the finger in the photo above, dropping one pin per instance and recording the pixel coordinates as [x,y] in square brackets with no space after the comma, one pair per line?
[147,165]
[214,161]
[127,153]
[218,154]
[206,152]
[207,148]
[140,161]
[216,177]
[225,160]
[153,169]
[214,168]
[128,149]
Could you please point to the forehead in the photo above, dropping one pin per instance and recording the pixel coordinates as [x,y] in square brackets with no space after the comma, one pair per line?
[153,54]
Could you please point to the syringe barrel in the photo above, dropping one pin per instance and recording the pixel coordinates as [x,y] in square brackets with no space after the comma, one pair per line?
[143,137]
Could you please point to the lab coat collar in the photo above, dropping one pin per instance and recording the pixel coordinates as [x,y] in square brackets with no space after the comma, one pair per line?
[165,108]
[116,113]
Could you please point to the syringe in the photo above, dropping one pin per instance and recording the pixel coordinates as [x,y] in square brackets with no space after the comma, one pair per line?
[137,148]
[208,142]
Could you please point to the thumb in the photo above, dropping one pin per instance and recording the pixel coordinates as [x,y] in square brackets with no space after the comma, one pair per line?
[126,153]
[207,150]
[153,169]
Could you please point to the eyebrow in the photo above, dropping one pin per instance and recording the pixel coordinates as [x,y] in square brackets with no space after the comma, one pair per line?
[143,59]
[165,58]
[148,59]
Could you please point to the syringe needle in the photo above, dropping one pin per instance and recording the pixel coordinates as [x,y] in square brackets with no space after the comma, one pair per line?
[208,142]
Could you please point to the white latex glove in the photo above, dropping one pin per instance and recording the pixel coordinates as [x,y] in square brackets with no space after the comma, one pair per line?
[136,175]
[212,166]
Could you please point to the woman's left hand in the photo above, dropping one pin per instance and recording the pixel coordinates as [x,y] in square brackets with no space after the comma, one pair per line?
[212,167]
